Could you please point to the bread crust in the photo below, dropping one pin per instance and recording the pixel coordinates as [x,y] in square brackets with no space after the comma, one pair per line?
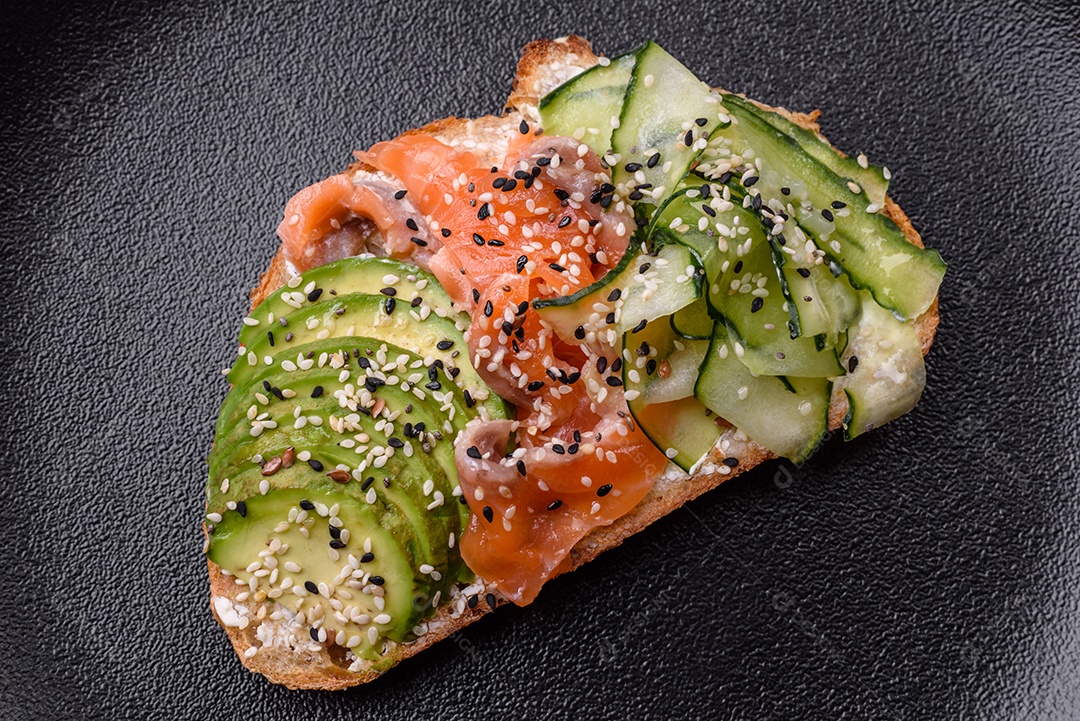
[543,65]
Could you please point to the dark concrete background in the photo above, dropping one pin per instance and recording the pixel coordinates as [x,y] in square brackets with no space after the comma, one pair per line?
[929,570]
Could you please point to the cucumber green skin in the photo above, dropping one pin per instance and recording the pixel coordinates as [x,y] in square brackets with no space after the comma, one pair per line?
[693,322]
[682,424]
[239,399]
[769,415]
[800,356]
[364,312]
[651,119]
[590,99]
[407,589]
[871,179]
[346,277]
[908,288]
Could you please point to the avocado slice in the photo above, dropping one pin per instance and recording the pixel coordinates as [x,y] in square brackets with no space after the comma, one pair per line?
[360,357]
[370,275]
[372,316]
[347,572]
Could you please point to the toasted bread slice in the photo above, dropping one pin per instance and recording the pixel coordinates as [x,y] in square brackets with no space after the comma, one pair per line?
[283,652]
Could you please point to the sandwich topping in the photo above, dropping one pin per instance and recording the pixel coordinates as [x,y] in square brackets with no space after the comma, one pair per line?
[475,365]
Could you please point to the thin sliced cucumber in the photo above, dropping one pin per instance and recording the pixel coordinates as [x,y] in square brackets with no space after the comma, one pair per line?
[667,117]
[888,373]
[744,286]
[865,243]
[659,391]
[870,178]
[585,106]
[788,416]
[641,288]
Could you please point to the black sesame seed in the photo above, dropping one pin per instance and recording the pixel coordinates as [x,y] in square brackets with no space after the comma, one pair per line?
[738,267]
[650,366]
[653,160]
[731,461]
[636,195]
[388,305]
[314,632]
[473,600]
[498,182]
[367,483]
[521,261]
[489,515]
[535,386]
[558,448]
[557,268]
[601,364]
[522,307]
[852,364]
[367,557]
[270,337]
[389,291]
[785,191]
[490,599]
[701,122]
[579,332]
[337,543]
[445,232]
[614,295]
[312,588]
[521,467]
[755,304]
[376,580]
[307,505]
[644,267]
[555,505]
[747,182]
[838,204]
[804,272]
[523,128]
[469,402]
[473,452]
[478,239]
[315,465]
[572,448]
[827,215]
[639,327]
[445,344]
[420,242]
[395,443]
[412,224]
[603,490]
[708,210]
[688,139]
[475,295]
[488,309]
[314,295]
[616,365]
[241,508]
[485,210]
[613,381]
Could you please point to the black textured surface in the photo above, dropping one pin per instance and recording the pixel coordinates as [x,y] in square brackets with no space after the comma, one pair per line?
[929,570]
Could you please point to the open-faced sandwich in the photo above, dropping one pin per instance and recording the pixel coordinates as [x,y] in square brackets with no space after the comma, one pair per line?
[491,349]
